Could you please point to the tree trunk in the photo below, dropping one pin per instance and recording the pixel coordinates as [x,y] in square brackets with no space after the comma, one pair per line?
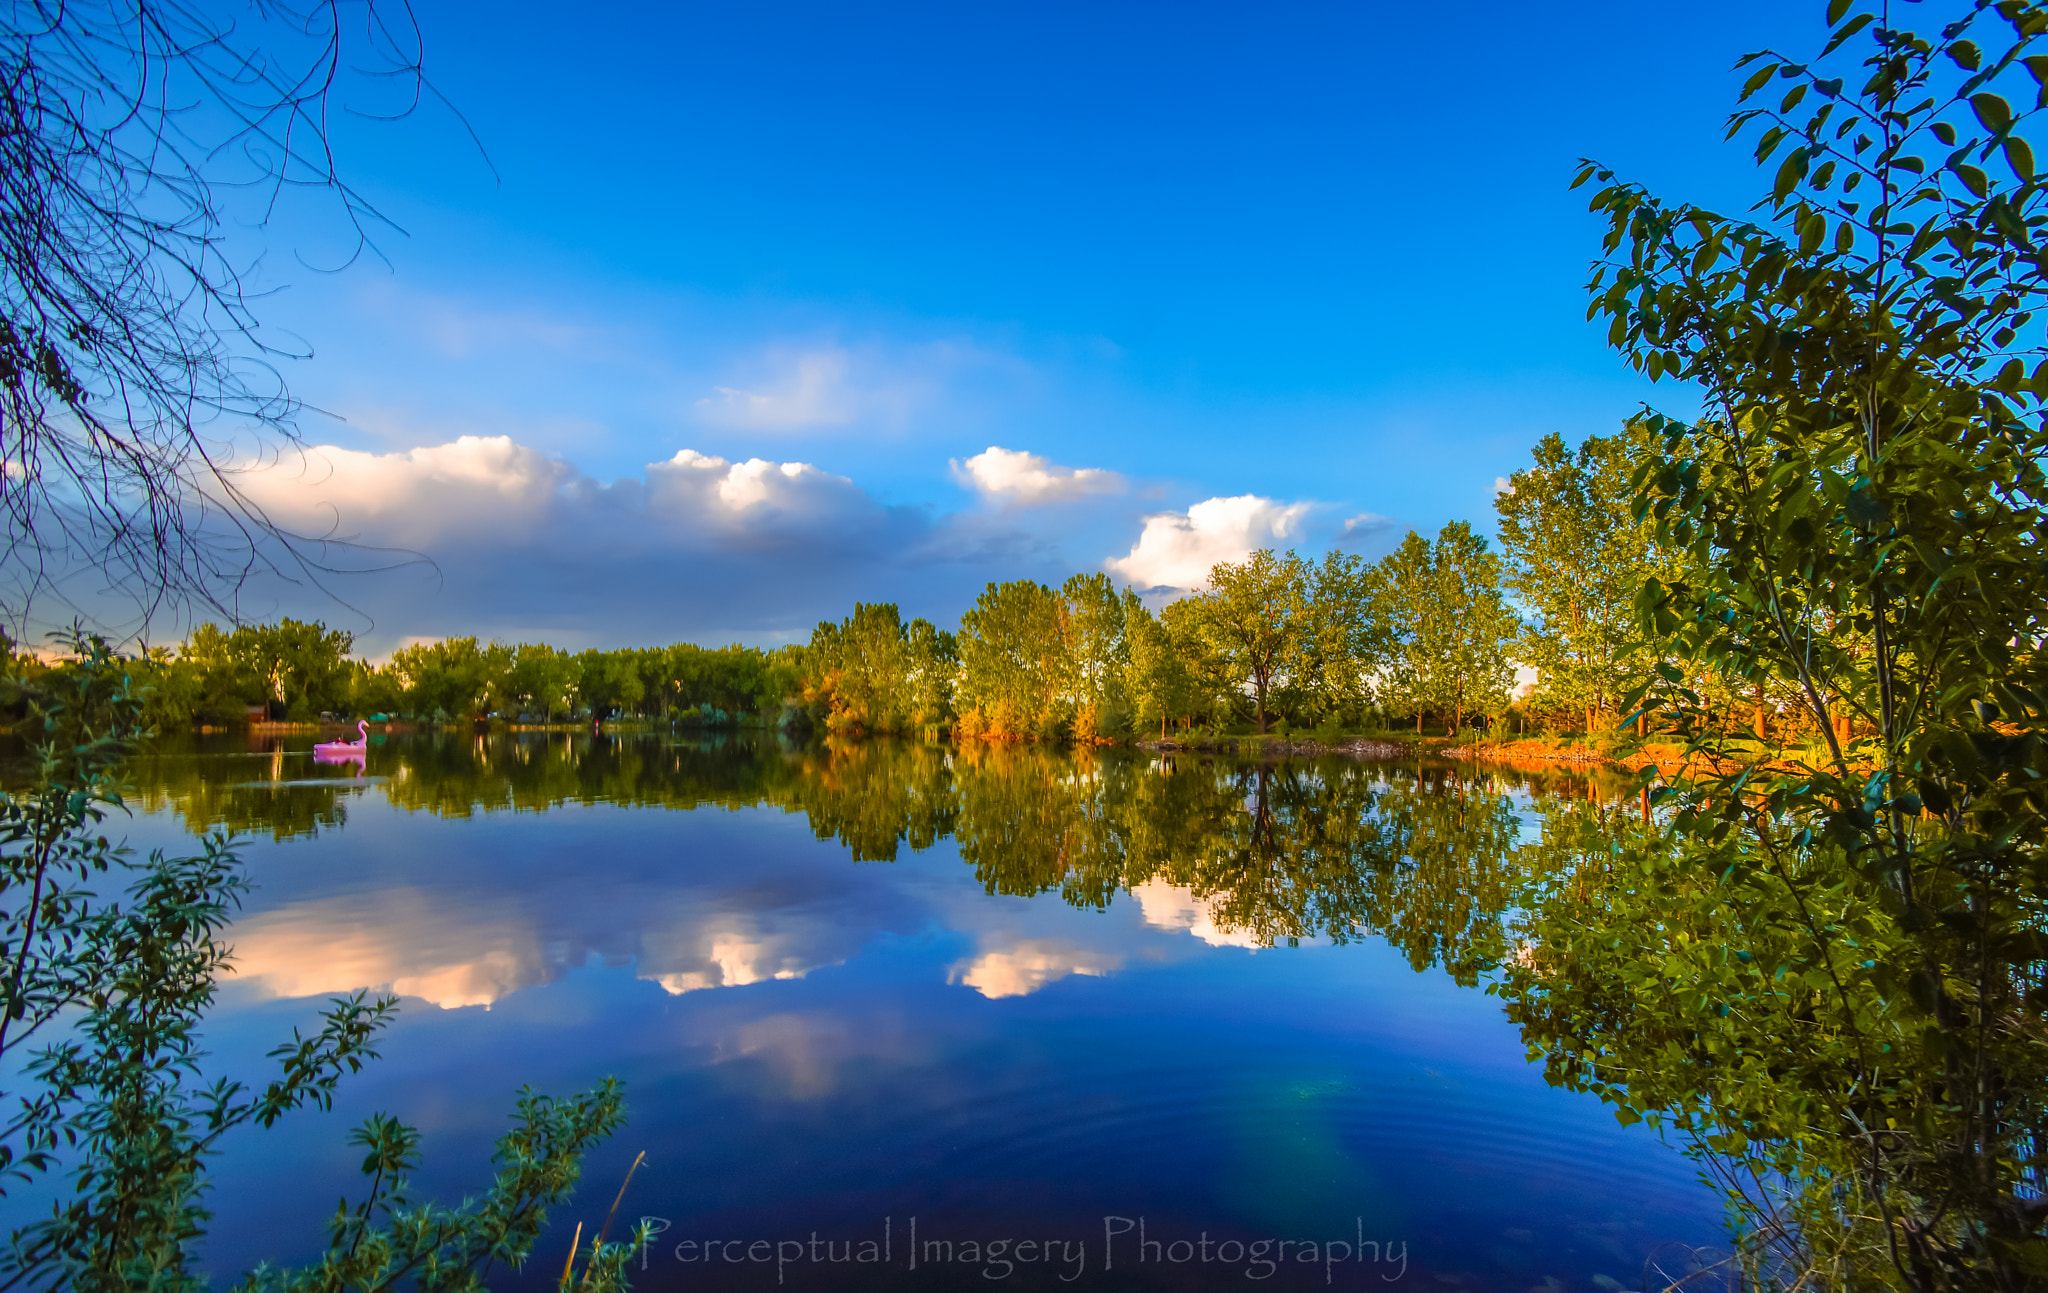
[1418,722]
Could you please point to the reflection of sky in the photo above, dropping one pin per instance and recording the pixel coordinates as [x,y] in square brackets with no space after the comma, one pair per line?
[811,1043]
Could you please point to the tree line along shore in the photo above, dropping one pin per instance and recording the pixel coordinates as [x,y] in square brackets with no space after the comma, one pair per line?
[1426,640]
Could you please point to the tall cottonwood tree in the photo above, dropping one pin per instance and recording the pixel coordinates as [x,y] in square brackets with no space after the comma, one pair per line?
[302,666]
[1253,616]
[1343,642]
[1156,683]
[1097,641]
[1449,625]
[871,672]
[1575,557]
[1017,668]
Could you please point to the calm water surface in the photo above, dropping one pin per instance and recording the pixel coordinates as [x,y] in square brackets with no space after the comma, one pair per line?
[1002,998]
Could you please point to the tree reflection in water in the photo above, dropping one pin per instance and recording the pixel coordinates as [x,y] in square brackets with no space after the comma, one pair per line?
[1428,858]
[1486,874]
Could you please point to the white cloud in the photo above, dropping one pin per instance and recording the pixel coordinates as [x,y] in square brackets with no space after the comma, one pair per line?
[1026,479]
[729,494]
[1524,685]
[1177,549]
[1502,485]
[524,544]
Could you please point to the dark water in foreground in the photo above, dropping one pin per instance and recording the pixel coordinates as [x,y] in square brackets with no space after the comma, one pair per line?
[1085,1021]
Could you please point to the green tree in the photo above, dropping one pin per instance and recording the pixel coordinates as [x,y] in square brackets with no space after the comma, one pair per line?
[1254,616]
[225,687]
[1157,681]
[870,673]
[1576,555]
[1449,624]
[450,678]
[302,668]
[1100,654]
[1861,508]
[609,682]
[542,680]
[934,657]
[1017,667]
[1342,644]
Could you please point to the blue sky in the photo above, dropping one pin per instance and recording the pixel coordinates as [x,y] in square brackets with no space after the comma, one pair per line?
[1309,264]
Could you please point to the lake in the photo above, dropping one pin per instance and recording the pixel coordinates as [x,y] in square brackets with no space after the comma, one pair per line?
[897,1016]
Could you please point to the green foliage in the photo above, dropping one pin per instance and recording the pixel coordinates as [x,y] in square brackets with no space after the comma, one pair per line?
[1575,558]
[542,681]
[117,1119]
[1097,640]
[608,681]
[1030,662]
[449,679]
[1019,675]
[1449,624]
[1860,511]
[874,673]
[389,1240]
[1157,684]
[1254,617]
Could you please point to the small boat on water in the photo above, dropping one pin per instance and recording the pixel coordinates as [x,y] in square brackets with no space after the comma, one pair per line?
[344,751]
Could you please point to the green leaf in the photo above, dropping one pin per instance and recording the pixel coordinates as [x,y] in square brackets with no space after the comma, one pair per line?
[1790,172]
[1993,111]
[1965,55]
[1845,31]
[1811,231]
[2020,158]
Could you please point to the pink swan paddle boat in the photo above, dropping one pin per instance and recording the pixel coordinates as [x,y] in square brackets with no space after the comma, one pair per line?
[345,751]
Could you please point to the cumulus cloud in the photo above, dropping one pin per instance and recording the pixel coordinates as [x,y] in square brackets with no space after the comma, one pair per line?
[1177,549]
[524,544]
[1027,479]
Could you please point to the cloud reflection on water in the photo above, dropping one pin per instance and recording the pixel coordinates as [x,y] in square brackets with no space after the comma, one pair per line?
[998,981]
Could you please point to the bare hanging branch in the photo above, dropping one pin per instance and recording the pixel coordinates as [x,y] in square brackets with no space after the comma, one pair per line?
[136,384]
